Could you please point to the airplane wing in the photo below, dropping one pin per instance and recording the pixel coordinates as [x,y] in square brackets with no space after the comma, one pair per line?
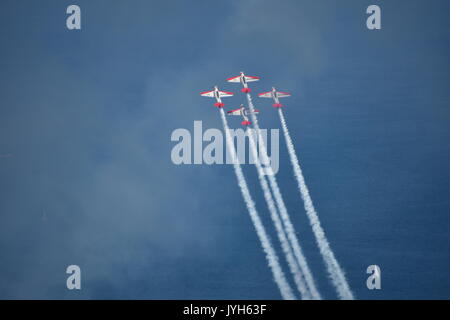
[234,79]
[283,94]
[265,94]
[251,79]
[235,112]
[225,94]
[208,94]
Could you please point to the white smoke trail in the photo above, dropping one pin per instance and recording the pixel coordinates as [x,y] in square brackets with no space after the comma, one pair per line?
[271,256]
[290,231]
[336,273]
[296,273]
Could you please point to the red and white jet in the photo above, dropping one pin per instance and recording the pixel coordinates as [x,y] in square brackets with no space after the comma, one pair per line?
[217,94]
[242,112]
[243,79]
[275,95]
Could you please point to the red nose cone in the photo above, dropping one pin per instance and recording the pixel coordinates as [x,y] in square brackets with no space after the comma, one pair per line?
[246,123]
[245,90]
[277,105]
[219,104]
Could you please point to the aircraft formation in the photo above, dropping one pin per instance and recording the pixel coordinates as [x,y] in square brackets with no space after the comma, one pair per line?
[298,266]
[242,111]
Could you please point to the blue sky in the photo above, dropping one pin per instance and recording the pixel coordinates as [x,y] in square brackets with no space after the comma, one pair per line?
[86,118]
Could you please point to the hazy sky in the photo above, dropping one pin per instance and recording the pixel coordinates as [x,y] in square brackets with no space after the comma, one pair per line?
[85,124]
